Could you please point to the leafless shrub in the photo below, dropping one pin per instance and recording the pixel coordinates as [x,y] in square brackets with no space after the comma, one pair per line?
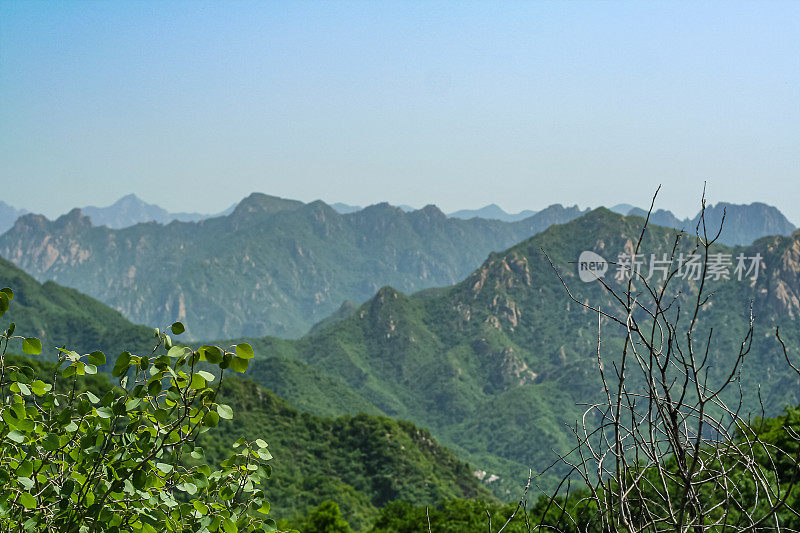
[670,447]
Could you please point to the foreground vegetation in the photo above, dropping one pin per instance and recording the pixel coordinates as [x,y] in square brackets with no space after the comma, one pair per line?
[121,460]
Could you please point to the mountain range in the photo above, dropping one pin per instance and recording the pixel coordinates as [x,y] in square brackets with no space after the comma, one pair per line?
[497,364]
[131,210]
[345,209]
[743,223]
[272,266]
[492,211]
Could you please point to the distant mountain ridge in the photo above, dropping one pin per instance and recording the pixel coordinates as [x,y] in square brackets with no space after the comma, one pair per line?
[345,209]
[492,211]
[131,210]
[272,266]
[744,223]
[8,214]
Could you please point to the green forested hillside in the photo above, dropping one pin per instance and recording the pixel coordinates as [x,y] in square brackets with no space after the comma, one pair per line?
[62,316]
[497,364]
[272,266]
[360,461]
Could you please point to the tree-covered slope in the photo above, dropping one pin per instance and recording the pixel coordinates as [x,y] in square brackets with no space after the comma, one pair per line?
[63,316]
[362,461]
[272,266]
[496,365]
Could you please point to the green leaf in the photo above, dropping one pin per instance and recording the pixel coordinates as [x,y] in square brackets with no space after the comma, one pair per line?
[154,387]
[164,467]
[32,346]
[201,507]
[244,351]
[16,436]
[211,419]
[90,369]
[11,328]
[264,454]
[122,364]
[261,443]
[97,358]
[39,387]
[177,328]
[229,526]
[212,354]
[27,500]
[50,442]
[25,469]
[208,376]
[139,479]
[225,411]
[198,382]
[130,405]
[264,509]
[3,304]
[239,365]
[8,292]
[176,351]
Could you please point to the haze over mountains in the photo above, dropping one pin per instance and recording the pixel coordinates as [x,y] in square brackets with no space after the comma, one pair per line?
[131,210]
[8,214]
[273,266]
[492,211]
[745,222]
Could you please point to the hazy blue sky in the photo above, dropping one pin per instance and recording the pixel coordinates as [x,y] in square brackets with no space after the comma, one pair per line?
[194,105]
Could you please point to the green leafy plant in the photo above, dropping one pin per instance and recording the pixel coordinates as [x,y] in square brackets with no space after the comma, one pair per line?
[73,461]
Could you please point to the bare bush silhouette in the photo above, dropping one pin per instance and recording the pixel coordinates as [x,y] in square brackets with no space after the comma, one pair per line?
[669,447]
